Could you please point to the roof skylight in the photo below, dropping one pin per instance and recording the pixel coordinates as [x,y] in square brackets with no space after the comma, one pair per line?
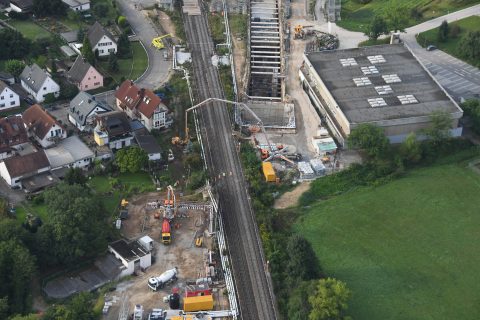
[376,59]
[348,62]
[369,70]
[407,99]
[377,102]
[361,82]
[384,90]
[391,78]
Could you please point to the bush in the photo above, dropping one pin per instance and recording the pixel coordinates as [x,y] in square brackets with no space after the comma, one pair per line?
[100,9]
[18,15]
[122,22]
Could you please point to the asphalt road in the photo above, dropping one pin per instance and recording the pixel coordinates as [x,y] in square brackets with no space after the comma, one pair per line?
[252,280]
[158,68]
[460,79]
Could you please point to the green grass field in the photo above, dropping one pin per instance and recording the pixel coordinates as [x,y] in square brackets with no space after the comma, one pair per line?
[356,16]
[451,44]
[407,249]
[131,68]
[30,29]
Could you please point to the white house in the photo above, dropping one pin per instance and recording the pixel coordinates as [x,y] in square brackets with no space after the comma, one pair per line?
[101,40]
[78,5]
[133,256]
[15,169]
[38,83]
[8,97]
[113,129]
[13,136]
[70,153]
[149,144]
[42,126]
[83,109]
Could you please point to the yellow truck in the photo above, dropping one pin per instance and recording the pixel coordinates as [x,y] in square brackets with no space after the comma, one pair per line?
[269,172]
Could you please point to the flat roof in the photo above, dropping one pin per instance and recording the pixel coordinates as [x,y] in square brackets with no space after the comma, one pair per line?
[128,251]
[371,83]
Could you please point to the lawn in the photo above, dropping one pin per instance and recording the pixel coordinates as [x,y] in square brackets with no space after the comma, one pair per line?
[39,210]
[451,44]
[377,42]
[30,29]
[356,16]
[131,68]
[407,249]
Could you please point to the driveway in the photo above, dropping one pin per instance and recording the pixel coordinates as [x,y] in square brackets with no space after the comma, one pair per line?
[460,79]
[158,68]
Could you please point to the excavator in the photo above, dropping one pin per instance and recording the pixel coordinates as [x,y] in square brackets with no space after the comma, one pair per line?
[299,31]
[158,43]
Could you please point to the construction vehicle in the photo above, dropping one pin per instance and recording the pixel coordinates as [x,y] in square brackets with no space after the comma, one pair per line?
[170,210]
[124,203]
[138,312]
[157,314]
[166,232]
[158,43]
[159,282]
[299,31]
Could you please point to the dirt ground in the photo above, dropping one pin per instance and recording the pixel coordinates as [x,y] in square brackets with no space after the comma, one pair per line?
[290,198]
[181,253]
[239,56]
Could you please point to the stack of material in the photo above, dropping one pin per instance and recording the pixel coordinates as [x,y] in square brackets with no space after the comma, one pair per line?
[191,7]
[318,166]
[306,171]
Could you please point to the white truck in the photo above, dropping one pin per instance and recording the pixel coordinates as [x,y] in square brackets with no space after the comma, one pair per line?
[159,282]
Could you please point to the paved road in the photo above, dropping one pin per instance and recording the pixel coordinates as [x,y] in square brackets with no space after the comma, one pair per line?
[158,69]
[460,79]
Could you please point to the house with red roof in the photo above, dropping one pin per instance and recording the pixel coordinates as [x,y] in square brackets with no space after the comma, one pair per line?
[41,126]
[142,104]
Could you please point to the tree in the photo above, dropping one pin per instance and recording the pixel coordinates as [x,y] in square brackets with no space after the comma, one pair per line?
[27,317]
[443,31]
[100,9]
[112,62]
[131,159]
[193,161]
[14,45]
[81,34]
[15,67]
[472,110]
[329,301]
[87,51]
[377,27]
[396,15]
[298,308]
[76,226]
[74,16]
[123,46]
[75,176]
[371,138]
[55,8]
[469,46]
[302,263]
[4,308]
[122,22]
[439,129]
[410,149]
[79,308]
[67,90]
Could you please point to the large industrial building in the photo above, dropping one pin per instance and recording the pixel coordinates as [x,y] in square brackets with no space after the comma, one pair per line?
[382,85]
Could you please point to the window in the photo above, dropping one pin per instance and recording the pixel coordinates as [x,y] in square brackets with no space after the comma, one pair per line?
[111,50]
[101,51]
[2,98]
[2,105]
[96,84]
[86,86]
[94,77]
[44,88]
[88,78]
[11,95]
[12,103]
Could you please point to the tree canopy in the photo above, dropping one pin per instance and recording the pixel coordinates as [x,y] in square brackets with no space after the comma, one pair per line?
[15,67]
[302,263]
[131,159]
[396,15]
[470,46]
[75,228]
[55,8]
[75,176]
[438,131]
[14,45]
[124,48]
[79,308]
[472,110]
[411,149]
[329,301]
[370,138]
[377,27]
[87,51]
[443,31]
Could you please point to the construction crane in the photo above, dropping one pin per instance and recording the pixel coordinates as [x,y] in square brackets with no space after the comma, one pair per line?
[170,204]
[299,31]
[158,43]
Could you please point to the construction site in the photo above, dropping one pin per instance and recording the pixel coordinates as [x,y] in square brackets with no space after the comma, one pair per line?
[172,263]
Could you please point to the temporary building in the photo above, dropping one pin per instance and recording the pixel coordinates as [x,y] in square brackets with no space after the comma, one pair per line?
[269,172]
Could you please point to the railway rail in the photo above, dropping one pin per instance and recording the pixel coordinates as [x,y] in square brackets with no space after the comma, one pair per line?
[253,285]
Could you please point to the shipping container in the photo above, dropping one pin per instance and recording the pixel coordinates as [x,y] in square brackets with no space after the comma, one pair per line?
[199,303]
[268,172]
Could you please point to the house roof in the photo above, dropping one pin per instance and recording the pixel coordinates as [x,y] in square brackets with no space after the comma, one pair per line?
[12,132]
[3,85]
[68,151]
[79,69]
[114,122]
[70,36]
[148,143]
[82,105]
[38,121]
[5,75]
[22,4]
[132,97]
[96,32]
[75,3]
[24,165]
[128,251]
[34,77]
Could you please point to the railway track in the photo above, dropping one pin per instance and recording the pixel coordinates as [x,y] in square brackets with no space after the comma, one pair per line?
[254,291]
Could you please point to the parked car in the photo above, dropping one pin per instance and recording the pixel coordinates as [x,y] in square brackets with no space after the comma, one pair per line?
[29,101]
[431,47]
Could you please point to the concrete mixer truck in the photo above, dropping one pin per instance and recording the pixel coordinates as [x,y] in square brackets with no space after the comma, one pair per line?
[159,282]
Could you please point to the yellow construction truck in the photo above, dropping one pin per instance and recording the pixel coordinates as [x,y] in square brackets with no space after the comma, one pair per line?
[158,43]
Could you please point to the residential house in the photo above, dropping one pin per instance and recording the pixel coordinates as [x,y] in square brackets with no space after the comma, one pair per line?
[84,75]
[142,104]
[7,77]
[22,6]
[83,109]
[42,126]
[133,255]
[8,97]
[113,129]
[101,40]
[70,153]
[16,169]
[149,144]
[13,136]
[78,5]
[38,83]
